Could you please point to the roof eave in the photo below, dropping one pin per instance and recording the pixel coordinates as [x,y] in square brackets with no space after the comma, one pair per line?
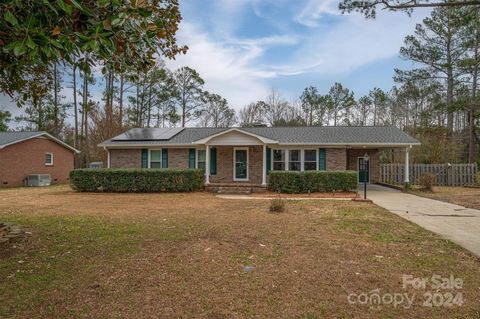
[42,134]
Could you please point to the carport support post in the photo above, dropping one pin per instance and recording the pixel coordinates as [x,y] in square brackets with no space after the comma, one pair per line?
[207,165]
[407,167]
[264,170]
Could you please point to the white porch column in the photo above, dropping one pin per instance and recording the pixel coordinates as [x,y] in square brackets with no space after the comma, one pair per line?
[407,164]
[207,165]
[264,169]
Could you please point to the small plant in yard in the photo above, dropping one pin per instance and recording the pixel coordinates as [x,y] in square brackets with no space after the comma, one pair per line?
[277,205]
[426,181]
[477,179]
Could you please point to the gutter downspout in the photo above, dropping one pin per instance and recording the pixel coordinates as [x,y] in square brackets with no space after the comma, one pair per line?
[108,156]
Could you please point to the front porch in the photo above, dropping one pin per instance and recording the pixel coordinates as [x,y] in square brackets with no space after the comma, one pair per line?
[240,161]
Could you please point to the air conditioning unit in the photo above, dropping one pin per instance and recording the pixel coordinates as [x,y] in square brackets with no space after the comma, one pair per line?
[39,180]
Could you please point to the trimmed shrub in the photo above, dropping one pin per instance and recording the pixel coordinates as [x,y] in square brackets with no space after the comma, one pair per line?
[137,180]
[312,181]
[426,181]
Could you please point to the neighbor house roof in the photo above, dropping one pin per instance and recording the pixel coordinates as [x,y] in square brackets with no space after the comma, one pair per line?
[326,135]
[9,138]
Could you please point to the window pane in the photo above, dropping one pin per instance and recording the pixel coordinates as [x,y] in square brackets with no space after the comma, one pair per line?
[241,156]
[278,155]
[48,158]
[155,156]
[278,166]
[155,165]
[310,166]
[294,166]
[201,165]
[201,156]
[310,155]
[294,156]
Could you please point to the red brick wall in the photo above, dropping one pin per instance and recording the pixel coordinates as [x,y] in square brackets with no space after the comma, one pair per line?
[131,158]
[354,154]
[125,158]
[336,159]
[28,157]
[178,157]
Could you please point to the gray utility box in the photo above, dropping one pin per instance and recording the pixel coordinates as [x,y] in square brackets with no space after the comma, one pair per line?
[38,180]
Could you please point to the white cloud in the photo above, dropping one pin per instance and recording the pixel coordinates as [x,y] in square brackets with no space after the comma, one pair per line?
[313,10]
[228,66]
[351,43]
[238,68]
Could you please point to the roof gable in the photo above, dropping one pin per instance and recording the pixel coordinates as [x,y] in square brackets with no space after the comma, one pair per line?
[9,138]
[236,136]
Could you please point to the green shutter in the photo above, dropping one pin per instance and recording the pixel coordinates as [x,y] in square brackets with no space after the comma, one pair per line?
[144,158]
[164,157]
[322,159]
[213,161]
[269,159]
[191,158]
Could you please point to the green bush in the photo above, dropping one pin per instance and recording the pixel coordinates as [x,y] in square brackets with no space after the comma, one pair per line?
[312,181]
[136,180]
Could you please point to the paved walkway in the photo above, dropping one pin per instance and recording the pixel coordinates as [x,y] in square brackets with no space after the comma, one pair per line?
[235,196]
[457,223]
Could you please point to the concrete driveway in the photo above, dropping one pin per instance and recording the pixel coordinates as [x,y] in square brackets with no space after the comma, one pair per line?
[457,223]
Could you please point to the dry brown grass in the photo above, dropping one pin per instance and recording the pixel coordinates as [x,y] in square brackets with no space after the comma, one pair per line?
[183,255]
[464,196]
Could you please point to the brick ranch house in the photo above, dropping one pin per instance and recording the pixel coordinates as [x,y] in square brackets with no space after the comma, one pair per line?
[244,156]
[25,153]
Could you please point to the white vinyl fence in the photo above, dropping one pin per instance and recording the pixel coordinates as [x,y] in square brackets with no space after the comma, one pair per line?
[446,174]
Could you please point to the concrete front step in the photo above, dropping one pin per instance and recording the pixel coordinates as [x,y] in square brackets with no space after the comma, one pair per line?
[234,190]
[243,189]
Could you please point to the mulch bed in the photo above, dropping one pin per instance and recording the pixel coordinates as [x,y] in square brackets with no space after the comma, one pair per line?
[311,195]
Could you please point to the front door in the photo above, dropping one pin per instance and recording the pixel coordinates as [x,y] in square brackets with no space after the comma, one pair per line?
[363,170]
[240,158]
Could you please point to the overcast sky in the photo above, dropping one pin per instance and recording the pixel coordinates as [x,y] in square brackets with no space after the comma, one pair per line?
[242,48]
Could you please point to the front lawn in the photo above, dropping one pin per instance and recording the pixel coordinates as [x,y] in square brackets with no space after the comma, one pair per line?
[195,255]
[464,196]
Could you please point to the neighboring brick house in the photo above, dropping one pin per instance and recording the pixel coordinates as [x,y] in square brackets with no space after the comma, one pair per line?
[25,153]
[244,156]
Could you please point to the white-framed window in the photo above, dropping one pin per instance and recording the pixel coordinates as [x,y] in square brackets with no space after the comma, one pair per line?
[49,159]
[155,159]
[278,159]
[201,159]
[310,160]
[294,160]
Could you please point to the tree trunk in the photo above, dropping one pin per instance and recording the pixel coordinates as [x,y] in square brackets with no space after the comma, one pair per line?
[473,103]
[56,124]
[75,106]
[120,102]
[449,88]
[85,117]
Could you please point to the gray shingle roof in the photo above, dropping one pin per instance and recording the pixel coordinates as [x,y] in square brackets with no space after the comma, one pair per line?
[11,137]
[284,135]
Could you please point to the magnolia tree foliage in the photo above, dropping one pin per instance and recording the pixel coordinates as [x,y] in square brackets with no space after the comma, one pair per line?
[123,34]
